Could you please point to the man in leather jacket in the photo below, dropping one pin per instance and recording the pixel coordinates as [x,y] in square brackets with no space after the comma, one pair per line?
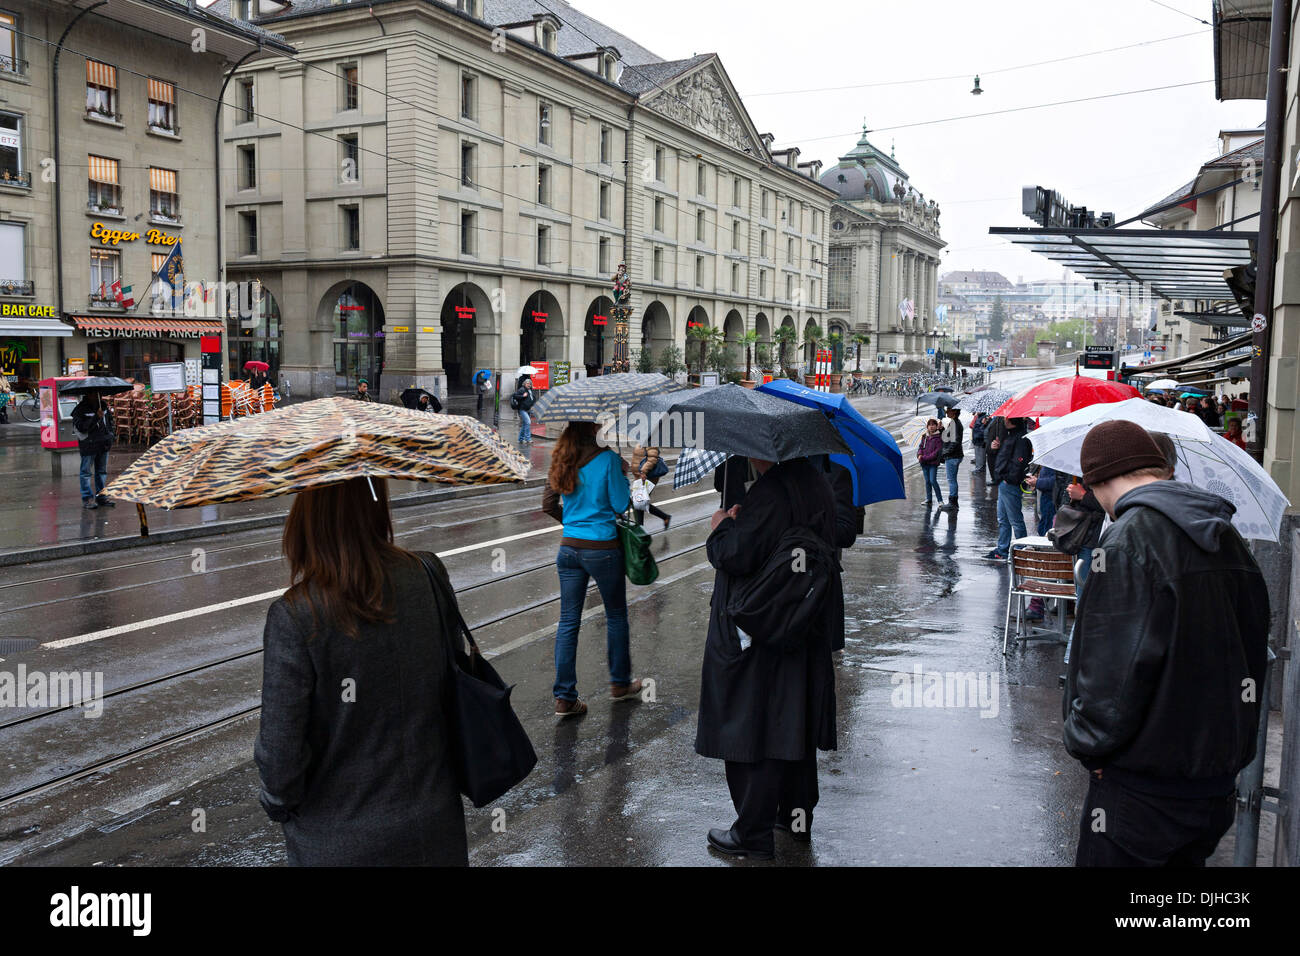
[1162,689]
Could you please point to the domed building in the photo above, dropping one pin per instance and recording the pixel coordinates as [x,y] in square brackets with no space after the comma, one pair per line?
[883,259]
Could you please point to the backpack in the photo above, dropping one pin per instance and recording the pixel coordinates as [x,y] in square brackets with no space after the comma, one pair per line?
[785,599]
[658,471]
[514,401]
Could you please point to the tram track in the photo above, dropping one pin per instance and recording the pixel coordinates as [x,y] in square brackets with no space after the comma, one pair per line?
[111,762]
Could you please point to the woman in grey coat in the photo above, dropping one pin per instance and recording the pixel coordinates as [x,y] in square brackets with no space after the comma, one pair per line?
[354,749]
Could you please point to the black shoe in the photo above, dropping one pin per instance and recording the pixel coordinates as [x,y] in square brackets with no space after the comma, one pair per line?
[89,504]
[105,502]
[725,841]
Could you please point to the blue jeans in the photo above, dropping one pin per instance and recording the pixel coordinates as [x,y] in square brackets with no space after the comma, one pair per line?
[1011,515]
[931,474]
[1046,514]
[577,566]
[952,464]
[96,464]
[525,426]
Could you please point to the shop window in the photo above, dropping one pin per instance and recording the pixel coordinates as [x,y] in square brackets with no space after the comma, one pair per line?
[162,106]
[101,90]
[255,337]
[134,356]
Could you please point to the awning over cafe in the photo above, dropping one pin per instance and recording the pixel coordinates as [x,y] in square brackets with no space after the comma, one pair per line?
[126,327]
[1172,263]
[37,326]
[1218,320]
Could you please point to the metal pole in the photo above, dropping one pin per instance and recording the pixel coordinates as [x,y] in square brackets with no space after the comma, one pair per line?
[1274,128]
[169,413]
[1250,783]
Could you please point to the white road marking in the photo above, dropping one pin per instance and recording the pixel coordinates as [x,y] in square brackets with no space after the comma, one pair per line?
[271,595]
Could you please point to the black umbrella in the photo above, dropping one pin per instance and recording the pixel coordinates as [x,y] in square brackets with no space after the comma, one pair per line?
[742,421]
[940,400]
[106,385]
[411,398]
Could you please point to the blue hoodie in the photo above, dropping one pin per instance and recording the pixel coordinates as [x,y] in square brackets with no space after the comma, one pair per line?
[601,496]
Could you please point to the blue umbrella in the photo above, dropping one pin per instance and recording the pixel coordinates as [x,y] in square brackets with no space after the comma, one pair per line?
[877,462]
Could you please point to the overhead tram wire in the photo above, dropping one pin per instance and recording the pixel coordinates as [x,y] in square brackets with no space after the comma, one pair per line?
[967,74]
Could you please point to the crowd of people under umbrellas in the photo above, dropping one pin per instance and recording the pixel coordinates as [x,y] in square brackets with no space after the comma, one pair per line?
[1153,707]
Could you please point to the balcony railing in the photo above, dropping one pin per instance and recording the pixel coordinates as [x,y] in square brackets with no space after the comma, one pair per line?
[13,66]
[105,209]
[108,301]
[173,130]
[172,218]
[17,287]
[94,113]
[11,178]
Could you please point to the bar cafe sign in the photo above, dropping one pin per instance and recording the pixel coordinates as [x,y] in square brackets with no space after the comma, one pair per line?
[111,237]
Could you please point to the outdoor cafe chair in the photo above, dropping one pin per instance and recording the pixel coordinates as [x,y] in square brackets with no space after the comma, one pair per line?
[1038,570]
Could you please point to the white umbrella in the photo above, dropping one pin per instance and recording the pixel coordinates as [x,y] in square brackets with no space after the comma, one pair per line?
[1162,383]
[1205,460]
[1229,472]
[1059,444]
[525,370]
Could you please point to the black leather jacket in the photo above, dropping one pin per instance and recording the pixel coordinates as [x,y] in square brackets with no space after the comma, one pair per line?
[1169,646]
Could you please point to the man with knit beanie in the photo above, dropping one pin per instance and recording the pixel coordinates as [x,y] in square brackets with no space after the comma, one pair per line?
[1162,688]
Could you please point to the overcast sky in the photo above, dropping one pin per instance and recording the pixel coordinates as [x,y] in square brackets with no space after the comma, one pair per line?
[1119,154]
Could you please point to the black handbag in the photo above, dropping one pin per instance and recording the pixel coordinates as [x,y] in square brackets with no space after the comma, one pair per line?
[1075,528]
[492,750]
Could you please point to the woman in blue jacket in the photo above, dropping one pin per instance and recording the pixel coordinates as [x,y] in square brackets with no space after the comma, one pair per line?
[586,490]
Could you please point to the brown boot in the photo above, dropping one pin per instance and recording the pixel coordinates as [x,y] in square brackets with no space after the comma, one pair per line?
[630,691]
[569,708]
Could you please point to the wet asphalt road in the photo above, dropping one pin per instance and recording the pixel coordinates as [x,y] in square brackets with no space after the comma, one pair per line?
[909,784]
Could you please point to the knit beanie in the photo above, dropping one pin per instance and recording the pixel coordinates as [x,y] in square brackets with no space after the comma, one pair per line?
[1116,448]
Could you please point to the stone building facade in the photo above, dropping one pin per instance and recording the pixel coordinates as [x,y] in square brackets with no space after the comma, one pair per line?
[884,259]
[97,191]
[427,189]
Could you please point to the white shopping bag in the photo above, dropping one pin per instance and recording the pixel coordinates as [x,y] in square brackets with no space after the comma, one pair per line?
[641,489]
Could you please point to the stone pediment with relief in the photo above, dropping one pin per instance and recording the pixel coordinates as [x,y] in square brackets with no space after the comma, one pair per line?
[703,102]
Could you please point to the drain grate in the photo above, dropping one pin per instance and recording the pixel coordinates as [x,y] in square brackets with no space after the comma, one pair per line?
[15,645]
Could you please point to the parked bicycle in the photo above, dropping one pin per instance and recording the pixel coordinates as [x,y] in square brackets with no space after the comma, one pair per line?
[28,405]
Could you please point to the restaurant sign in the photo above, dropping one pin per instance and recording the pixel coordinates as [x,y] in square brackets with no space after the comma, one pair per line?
[112,237]
[150,333]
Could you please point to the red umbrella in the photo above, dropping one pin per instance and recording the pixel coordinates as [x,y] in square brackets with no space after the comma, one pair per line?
[259,366]
[1060,396]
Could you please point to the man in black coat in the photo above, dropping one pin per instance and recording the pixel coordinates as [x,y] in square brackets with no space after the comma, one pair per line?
[1161,698]
[93,421]
[994,431]
[1014,453]
[764,709]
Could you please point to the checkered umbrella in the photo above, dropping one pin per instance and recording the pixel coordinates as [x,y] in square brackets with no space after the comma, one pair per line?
[988,401]
[694,464]
[599,397]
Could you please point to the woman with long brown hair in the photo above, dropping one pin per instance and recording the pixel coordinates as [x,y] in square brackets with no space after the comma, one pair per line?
[586,490]
[355,746]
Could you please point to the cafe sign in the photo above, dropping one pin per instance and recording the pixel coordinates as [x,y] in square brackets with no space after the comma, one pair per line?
[111,237]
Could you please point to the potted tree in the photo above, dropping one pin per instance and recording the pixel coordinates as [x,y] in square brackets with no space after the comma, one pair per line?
[749,340]
[860,339]
[763,356]
[707,336]
[670,361]
[645,360]
[813,338]
[785,337]
[836,341]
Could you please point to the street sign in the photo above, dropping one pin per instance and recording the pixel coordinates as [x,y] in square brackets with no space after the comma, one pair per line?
[1102,360]
[1258,322]
[929,351]
[560,373]
[989,367]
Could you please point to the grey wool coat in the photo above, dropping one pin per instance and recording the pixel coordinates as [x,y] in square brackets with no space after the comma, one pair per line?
[355,747]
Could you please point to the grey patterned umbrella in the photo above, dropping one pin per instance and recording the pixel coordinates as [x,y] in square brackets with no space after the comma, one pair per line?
[742,421]
[599,396]
[987,401]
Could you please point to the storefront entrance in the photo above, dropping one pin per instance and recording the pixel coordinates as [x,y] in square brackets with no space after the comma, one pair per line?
[358,338]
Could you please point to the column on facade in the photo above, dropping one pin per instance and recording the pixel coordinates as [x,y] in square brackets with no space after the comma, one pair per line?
[412,358]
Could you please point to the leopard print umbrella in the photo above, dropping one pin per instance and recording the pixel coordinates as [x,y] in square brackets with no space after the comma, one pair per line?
[311,444]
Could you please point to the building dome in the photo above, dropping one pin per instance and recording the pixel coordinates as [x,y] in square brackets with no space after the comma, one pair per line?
[865,173]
